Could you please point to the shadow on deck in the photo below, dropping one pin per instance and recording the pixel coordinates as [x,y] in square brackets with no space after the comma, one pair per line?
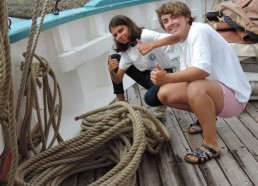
[237,165]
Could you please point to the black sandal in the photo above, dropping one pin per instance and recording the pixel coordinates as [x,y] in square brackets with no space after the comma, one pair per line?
[202,155]
[195,128]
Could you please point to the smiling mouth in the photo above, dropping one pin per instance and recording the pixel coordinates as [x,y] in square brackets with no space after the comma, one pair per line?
[174,28]
[124,40]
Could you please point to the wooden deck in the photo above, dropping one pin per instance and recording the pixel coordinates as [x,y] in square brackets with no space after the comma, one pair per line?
[237,165]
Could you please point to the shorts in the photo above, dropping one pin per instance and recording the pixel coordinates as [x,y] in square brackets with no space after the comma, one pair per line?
[232,107]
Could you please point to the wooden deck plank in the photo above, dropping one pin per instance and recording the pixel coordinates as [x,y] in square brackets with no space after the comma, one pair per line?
[148,173]
[71,181]
[244,135]
[255,103]
[212,172]
[191,174]
[85,178]
[168,167]
[249,121]
[241,155]
[101,172]
[133,95]
[237,137]
[252,110]
[228,164]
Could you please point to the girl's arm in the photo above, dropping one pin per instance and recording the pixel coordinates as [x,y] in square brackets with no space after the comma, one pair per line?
[145,48]
[160,77]
[116,75]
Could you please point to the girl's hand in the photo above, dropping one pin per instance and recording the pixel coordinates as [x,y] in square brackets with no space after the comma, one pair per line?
[158,77]
[112,64]
[144,48]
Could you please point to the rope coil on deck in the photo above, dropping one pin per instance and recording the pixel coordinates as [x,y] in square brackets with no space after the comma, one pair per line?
[116,135]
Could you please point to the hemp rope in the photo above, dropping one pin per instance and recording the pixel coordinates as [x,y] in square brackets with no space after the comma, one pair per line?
[118,137]
[39,134]
[31,47]
[6,97]
[119,142]
[29,80]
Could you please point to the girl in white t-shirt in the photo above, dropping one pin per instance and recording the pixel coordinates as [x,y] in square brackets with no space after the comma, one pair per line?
[210,82]
[129,61]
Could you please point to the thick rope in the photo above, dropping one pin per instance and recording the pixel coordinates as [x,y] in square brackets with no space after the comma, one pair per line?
[6,97]
[29,137]
[111,141]
[39,134]
[118,137]
[31,47]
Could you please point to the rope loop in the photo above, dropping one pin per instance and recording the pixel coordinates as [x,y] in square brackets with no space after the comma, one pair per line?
[113,136]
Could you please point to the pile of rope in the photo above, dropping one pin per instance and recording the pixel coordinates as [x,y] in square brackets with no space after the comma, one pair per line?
[116,135]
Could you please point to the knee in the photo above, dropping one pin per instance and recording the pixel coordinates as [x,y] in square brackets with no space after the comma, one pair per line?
[194,91]
[163,95]
[151,99]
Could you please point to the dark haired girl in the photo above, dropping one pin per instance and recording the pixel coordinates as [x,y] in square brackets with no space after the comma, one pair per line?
[129,61]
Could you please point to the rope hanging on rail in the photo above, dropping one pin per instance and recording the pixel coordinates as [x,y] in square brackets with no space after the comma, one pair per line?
[38,78]
[7,119]
[116,135]
[32,73]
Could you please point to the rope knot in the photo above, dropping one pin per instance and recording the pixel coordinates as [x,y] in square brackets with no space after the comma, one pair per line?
[44,68]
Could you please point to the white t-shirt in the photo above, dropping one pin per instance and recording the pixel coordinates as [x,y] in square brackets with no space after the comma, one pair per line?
[206,49]
[147,62]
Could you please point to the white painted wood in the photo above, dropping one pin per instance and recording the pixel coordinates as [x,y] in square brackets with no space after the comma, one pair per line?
[151,15]
[137,15]
[77,56]
[97,26]
[62,38]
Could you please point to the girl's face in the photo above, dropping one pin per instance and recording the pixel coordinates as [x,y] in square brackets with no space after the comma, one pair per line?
[176,25]
[120,33]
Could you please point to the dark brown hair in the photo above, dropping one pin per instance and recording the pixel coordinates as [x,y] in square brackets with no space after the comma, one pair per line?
[174,8]
[134,31]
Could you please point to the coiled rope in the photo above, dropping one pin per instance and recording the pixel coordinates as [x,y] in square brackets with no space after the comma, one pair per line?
[29,137]
[39,134]
[116,135]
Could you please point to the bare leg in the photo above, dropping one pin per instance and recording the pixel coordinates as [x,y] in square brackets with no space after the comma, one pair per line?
[204,98]
[175,95]
[120,97]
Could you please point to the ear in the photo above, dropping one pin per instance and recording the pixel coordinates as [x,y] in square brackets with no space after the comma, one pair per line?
[187,19]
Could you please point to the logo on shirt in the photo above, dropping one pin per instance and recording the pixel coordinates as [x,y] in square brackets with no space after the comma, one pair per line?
[152,57]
